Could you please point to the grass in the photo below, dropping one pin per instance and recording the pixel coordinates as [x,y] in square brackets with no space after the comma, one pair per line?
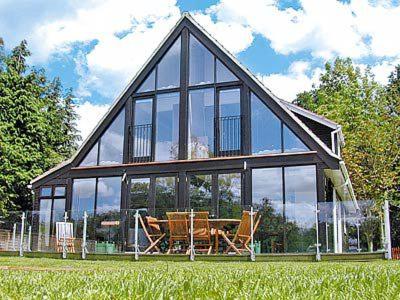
[34,278]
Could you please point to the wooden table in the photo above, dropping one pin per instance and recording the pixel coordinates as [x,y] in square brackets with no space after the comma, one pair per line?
[215,224]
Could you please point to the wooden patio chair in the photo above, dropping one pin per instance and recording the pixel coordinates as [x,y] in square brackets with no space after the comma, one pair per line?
[178,230]
[153,233]
[242,237]
[65,230]
[202,232]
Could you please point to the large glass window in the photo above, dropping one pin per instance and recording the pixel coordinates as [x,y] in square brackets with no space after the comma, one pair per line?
[108,195]
[201,124]
[139,193]
[229,195]
[45,221]
[142,132]
[229,121]
[291,142]
[112,142]
[200,192]
[201,63]
[83,197]
[149,84]
[165,195]
[167,127]
[223,73]
[91,158]
[265,128]
[168,70]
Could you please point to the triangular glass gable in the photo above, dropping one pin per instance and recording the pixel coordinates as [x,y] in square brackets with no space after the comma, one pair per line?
[91,158]
[291,142]
[168,70]
[201,63]
[223,73]
[112,142]
[149,84]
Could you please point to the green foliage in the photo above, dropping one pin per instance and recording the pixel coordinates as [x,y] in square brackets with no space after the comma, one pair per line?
[37,126]
[369,115]
[67,279]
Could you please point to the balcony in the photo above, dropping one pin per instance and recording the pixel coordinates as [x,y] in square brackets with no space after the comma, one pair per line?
[142,143]
[229,136]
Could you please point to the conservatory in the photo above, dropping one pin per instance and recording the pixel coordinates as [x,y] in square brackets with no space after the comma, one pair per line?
[195,131]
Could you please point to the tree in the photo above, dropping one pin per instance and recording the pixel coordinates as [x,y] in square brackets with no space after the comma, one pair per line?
[368,113]
[37,126]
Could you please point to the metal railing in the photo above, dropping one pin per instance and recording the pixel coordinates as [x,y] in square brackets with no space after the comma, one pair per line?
[229,135]
[142,142]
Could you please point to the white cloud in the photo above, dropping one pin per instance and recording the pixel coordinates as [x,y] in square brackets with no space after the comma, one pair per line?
[89,115]
[299,78]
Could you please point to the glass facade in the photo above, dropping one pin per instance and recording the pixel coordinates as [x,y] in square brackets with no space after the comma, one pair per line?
[112,142]
[149,84]
[291,142]
[201,124]
[200,192]
[230,195]
[229,121]
[142,129]
[83,197]
[223,74]
[201,63]
[168,70]
[139,193]
[108,195]
[92,157]
[165,196]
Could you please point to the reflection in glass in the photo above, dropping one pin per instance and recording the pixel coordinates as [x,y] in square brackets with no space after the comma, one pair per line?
[201,124]
[58,210]
[165,196]
[139,193]
[223,73]
[229,120]
[200,192]
[149,84]
[91,158]
[44,220]
[167,127]
[45,192]
[142,131]
[267,197]
[108,195]
[201,63]
[59,191]
[291,142]
[168,72]
[301,198]
[229,197]
[112,141]
[83,197]
[265,128]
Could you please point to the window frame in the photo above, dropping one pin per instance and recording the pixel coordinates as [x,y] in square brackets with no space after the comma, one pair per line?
[52,197]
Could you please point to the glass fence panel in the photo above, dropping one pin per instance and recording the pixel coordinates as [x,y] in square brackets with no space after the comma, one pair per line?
[10,229]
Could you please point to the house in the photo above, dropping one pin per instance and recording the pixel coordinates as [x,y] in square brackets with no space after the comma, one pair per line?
[195,129]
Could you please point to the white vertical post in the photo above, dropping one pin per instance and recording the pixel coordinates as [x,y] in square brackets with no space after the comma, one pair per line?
[21,240]
[339,229]
[327,235]
[335,223]
[358,235]
[388,238]
[317,245]
[29,238]
[64,245]
[252,254]
[14,236]
[136,235]
[84,246]
[191,236]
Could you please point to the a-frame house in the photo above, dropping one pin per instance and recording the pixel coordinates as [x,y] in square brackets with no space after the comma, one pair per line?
[195,129]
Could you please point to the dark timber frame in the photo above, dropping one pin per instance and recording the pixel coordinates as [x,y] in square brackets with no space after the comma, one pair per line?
[243,162]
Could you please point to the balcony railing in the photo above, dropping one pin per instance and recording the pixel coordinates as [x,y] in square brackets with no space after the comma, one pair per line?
[229,135]
[142,142]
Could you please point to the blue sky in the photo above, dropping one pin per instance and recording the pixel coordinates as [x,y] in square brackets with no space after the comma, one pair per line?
[97,46]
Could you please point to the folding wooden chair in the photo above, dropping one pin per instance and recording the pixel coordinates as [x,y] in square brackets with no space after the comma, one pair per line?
[178,230]
[65,231]
[243,234]
[202,232]
[153,233]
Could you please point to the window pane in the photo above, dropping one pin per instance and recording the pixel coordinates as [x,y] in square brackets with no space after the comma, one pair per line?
[229,199]
[201,63]
[165,196]
[44,221]
[265,128]
[267,197]
[167,127]
[59,191]
[201,124]
[112,142]
[83,197]
[58,210]
[139,193]
[108,195]
[230,119]
[45,192]
[143,129]
[223,73]
[291,142]
[200,194]
[91,158]
[168,72]
[149,83]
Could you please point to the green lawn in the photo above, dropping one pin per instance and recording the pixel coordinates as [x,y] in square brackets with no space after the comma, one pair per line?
[34,278]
